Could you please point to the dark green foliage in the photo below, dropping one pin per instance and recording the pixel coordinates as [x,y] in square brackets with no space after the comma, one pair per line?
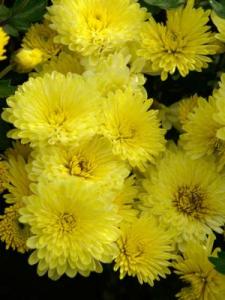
[219,7]
[164,4]
[21,15]
[6,88]
[219,262]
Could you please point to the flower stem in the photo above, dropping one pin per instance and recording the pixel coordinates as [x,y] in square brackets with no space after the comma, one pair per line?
[6,71]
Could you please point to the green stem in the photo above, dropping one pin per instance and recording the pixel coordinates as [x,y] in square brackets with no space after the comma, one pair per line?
[6,71]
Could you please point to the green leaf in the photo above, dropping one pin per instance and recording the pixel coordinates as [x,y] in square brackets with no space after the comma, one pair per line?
[218,7]
[6,89]
[5,12]
[165,4]
[25,12]
[219,262]
[153,9]
[11,30]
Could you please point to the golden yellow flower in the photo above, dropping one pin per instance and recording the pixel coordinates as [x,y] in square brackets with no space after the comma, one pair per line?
[195,269]
[64,63]
[186,195]
[41,37]
[200,133]
[113,72]
[219,116]
[96,26]
[220,24]
[12,232]
[18,184]
[73,229]
[23,150]
[125,200]
[183,44]
[4,38]
[132,128]
[4,178]
[144,251]
[186,106]
[27,59]
[53,109]
[91,162]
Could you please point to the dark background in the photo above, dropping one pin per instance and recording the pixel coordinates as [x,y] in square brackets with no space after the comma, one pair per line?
[19,281]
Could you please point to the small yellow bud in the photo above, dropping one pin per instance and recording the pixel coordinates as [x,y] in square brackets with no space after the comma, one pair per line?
[27,59]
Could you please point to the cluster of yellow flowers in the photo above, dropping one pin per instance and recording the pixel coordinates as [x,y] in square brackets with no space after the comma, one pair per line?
[91,178]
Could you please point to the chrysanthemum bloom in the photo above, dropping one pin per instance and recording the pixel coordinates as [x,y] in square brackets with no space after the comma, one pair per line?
[125,200]
[92,162]
[200,133]
[182,109]
[187,196]
[183,44]
[4,38]
[18,184]
[27,59]
[23,150]
[145,251]
[3,175]
[12,232]
[219,116]
[113,73]
[53,109]
[73,230]
[63,63]
[220,24]
[41,37]
[96,26]
[176,114]
[195,269]
[132,128]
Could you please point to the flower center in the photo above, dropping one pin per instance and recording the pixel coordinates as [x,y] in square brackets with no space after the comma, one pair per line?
[189,200]
[79,166]
[67,222]
[218,146]
[173,42]
[98,20]
[57,118]
[126,133]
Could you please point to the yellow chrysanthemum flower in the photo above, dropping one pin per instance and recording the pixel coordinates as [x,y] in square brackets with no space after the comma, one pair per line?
[220,24]
[113,73]
[27,59]
[132,128]
[18,184]
[92,162]
[185,107]
[12,232]
[186,195]
[200,136]
[145,251]
[195,269]
[96,26]
[4,38]
[63,63]
[41,37]
[20,149]
[219,115]
[73,230]
[53,109]
[125,200]
[183,44]
[4,178]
